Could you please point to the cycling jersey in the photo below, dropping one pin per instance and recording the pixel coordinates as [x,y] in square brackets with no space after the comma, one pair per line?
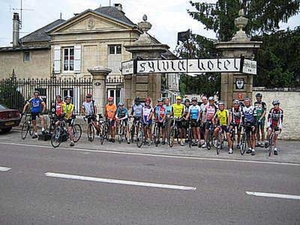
[160,113]
[248,114]
[36,104]
[194,111]
[137,110]
[122,113]
[178,110]
[222,116]
[89,108]
[68,110]
[260,108]
[59,108]
[110,111]
[236,115]
[275,118]
[168,109]
[147,110]
[210,111]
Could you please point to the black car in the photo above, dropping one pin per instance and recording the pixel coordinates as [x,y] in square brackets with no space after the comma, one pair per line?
[8,118]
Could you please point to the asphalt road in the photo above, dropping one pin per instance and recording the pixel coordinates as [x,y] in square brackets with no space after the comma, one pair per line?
[121,184]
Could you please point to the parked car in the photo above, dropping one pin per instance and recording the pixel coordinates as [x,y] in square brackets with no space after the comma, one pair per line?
[8,118]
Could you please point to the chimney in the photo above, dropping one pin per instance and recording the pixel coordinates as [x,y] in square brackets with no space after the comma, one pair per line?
[119,6]
[16,29]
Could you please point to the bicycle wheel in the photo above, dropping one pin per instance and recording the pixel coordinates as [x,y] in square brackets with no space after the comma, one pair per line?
[270,145]
[56,137]
[155,135]
[243,144]
[77,132]
[140,137]
[25,129]
[172,137]
[190,139]
[120,133]
[132,129]
[90,133]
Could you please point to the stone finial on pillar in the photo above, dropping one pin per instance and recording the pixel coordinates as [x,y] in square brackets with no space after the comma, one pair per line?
[241,22]
[99,74]
[144,26]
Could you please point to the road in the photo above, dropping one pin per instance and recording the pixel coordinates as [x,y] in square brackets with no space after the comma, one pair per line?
[120,184]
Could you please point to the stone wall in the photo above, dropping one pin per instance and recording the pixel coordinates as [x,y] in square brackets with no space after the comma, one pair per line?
[289,103]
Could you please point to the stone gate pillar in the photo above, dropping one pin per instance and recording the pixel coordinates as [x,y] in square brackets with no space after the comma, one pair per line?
[237,85]
[148,85]
[99,74]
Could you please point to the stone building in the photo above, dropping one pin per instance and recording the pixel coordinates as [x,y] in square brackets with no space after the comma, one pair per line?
[67,48]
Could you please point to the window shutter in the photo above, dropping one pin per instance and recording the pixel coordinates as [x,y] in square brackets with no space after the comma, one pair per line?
[77,58]
[57,58]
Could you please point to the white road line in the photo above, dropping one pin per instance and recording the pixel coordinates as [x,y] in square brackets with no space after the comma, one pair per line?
[123,182]
[273,195]
[4,169]
[116,152]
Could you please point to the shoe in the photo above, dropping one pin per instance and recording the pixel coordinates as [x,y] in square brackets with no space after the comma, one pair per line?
[275,151]
[128,142]
[204,145]
[182,143]
[72,143]
[253,152]
[230,151]
[261,145]
[44,132]
[238,146]
[194,143]
[113,140]
[34,136]
[249,151]
[163,143]
[90,139]
[266,144]
[97,132]
[257,144]
[186,141]
[158,142]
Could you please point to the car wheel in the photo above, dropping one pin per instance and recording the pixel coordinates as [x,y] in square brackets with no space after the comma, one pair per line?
[5,130]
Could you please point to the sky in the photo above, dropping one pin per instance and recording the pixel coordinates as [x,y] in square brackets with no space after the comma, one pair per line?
[168,17]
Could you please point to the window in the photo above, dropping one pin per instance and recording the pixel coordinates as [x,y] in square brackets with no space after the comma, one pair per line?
[68,59]
[26,56]
[115,49]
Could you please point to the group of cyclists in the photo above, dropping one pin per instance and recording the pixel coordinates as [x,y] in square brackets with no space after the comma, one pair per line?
[200,118]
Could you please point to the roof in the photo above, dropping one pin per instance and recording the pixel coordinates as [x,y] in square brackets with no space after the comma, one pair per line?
[23,48]
[41,34]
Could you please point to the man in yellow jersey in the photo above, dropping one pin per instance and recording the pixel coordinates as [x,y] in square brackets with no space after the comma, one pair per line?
[222,120]
[68,109]
[177,111]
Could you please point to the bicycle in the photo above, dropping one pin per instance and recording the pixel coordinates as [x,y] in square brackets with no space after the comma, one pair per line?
[173,132]
[190,134]
[134,128]
[210,136]
[219,141]
[156,134]
[61,134]
[104,130]
[27,126]
[91,127]
[140,138]
[271,140]
[246,135]
[121,131]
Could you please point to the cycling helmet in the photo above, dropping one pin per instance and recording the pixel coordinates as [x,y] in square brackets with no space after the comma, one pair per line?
[187,100]
[110,99]
[178,98]
[247,99]
[120,104]
[148,100]
[36,91]
[89,95]
[236,102]
[275,102]
[211,99]
[137,98]
[221,103]
[68,96]
[194,99]
[258,95]
[160,100]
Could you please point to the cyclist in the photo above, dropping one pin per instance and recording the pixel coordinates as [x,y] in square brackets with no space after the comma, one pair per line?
[195,116]
[89,109]
[168,108]
[236,120]
[222,119]
[249,121]
[68,111]
[185,118]
[261,110]
[110,114]
[160,114]
[207,116]
[137,109]
[274,123]
[58,106]
[37,109]
[177,111]
[147,120]
[122,114]
[203,105]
